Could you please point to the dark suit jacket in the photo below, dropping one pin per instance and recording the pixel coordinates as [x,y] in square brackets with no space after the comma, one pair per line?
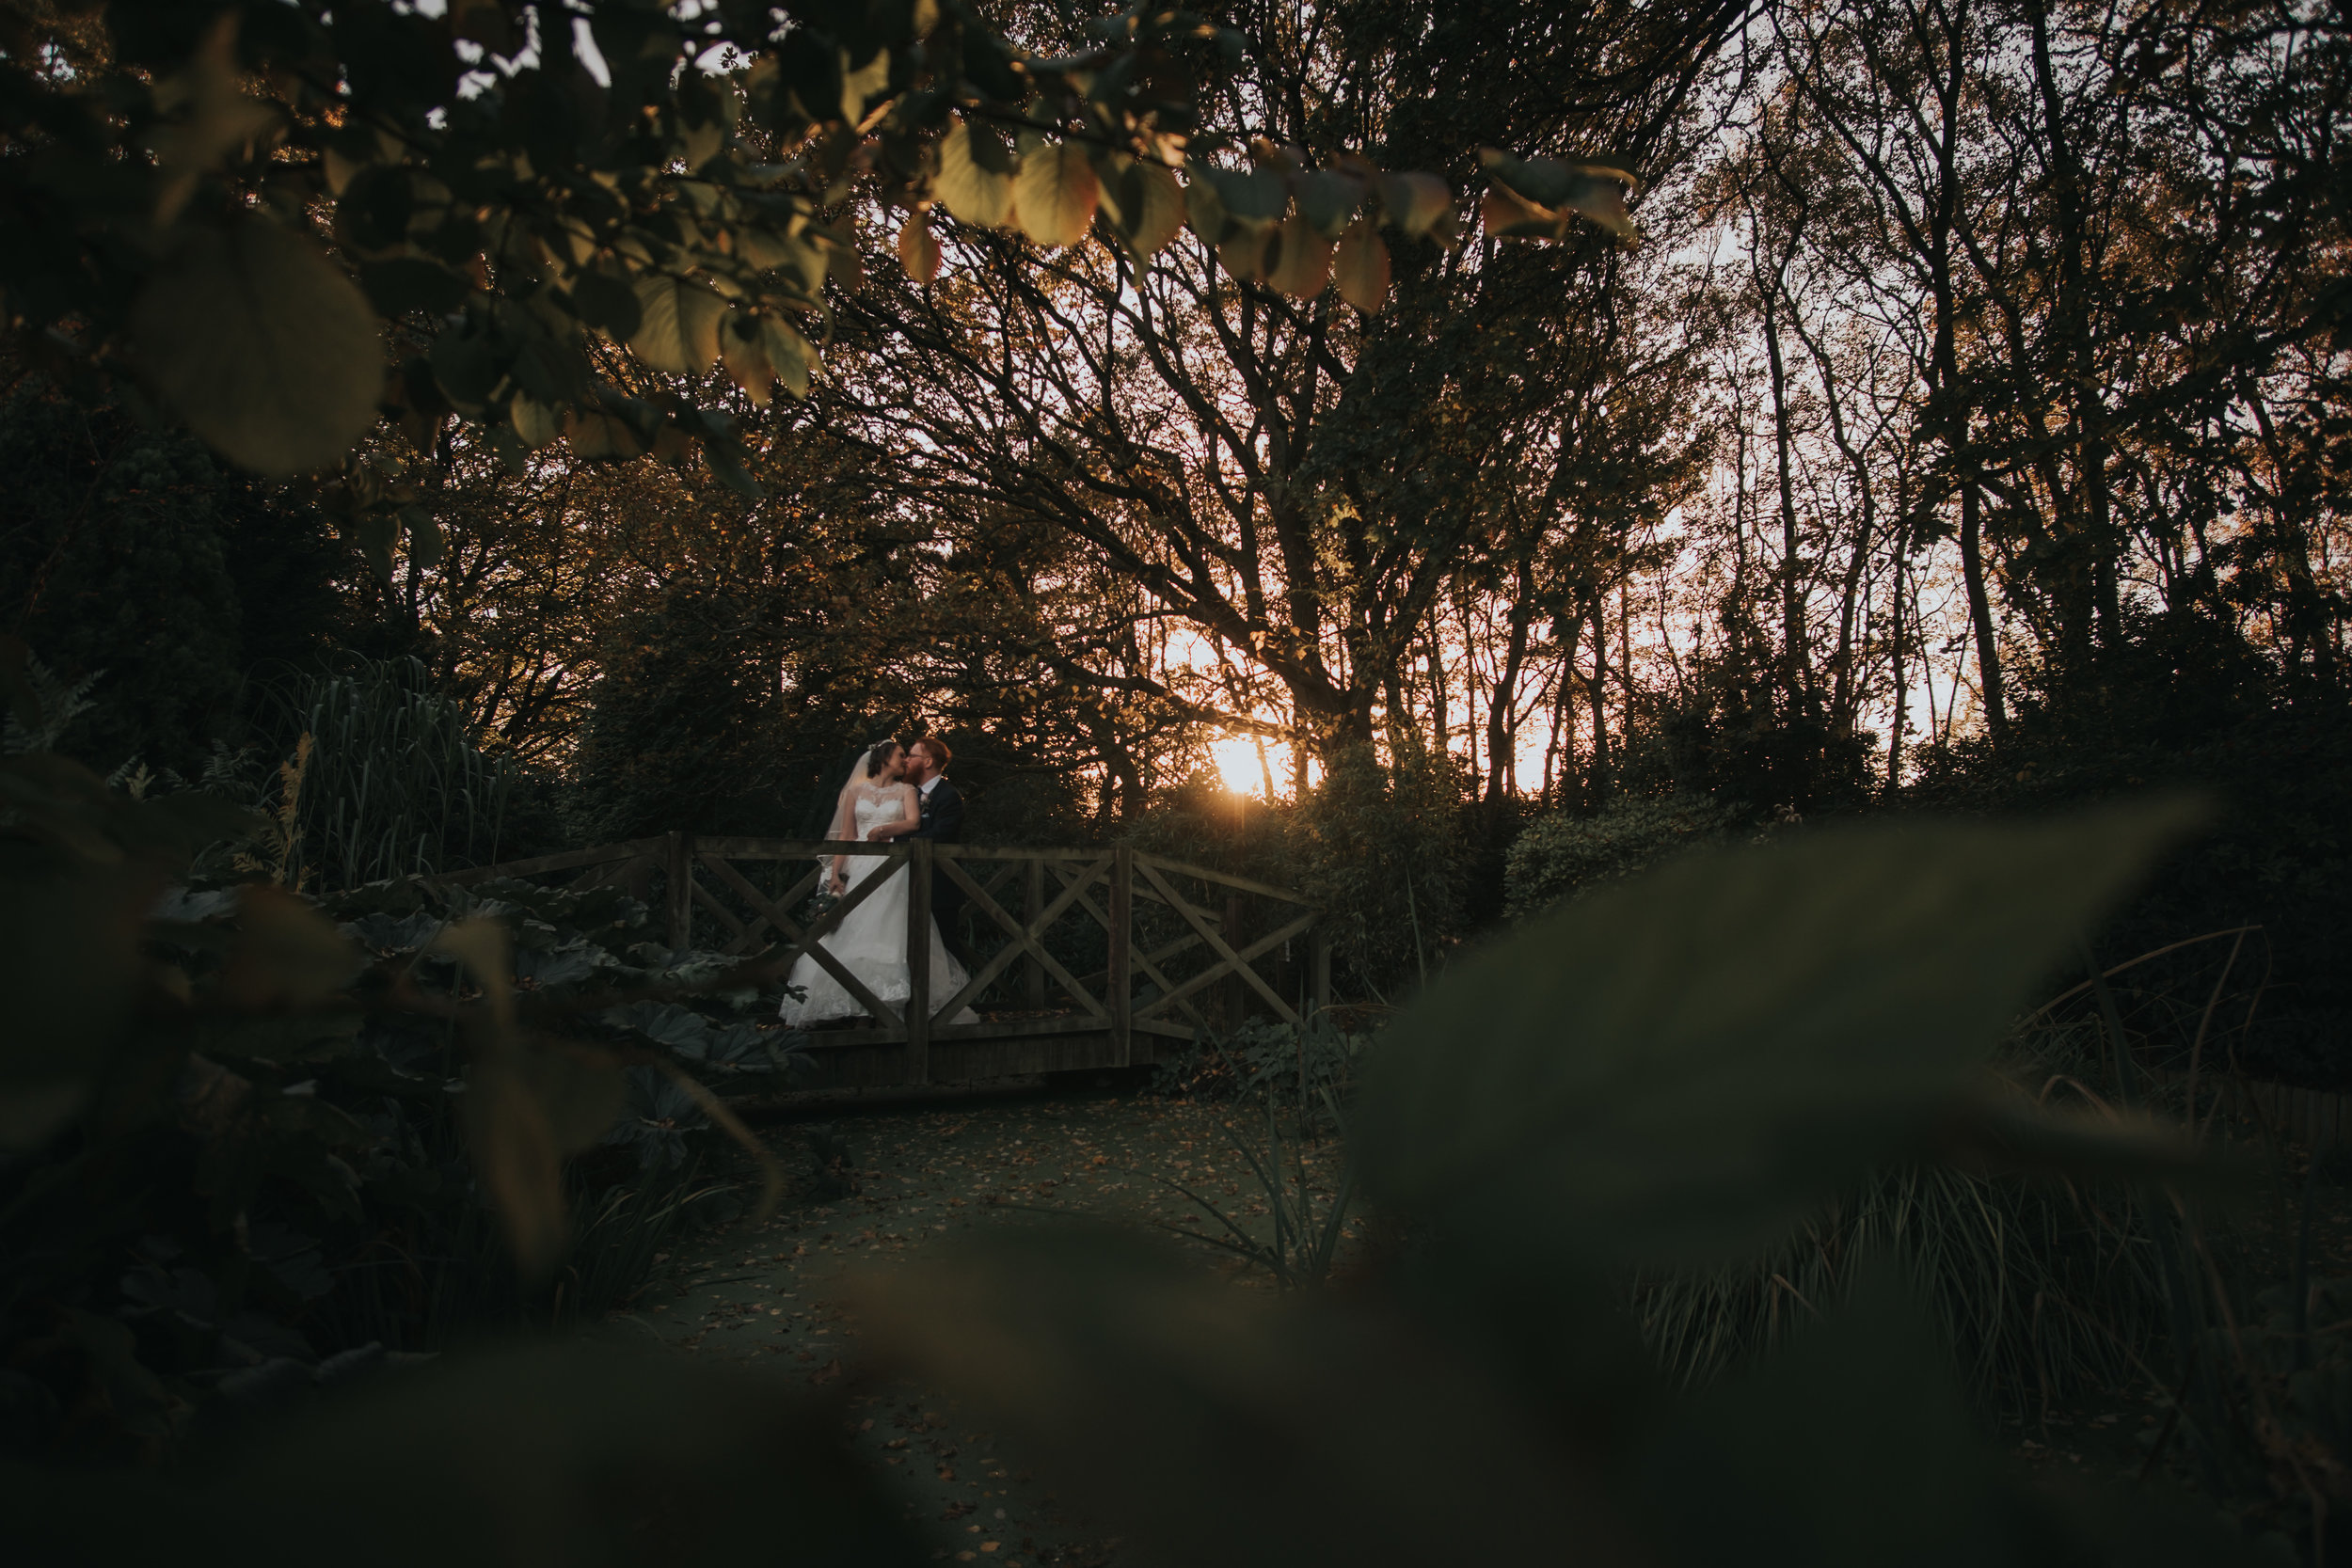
[941,814]
[943,821]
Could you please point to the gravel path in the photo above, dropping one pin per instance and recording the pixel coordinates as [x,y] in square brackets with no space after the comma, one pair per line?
[905,1177]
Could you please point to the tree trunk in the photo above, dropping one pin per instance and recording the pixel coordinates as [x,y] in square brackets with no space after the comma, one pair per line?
[1981,615]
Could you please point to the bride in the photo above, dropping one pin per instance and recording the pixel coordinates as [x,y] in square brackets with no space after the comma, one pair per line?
[877,804]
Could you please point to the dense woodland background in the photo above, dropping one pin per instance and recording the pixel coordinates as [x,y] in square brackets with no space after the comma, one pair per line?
[1967,429]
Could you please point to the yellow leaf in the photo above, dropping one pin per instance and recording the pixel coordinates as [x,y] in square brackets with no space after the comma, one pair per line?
[1145,205]
[1507,215]
[481,948]
[596,433]
[1416,203]
[1300,261]
[1361,267]
[743,351]
[517,1158]
[1244,251]
[918,251]
[1055,195]
[536,423]
[863,85]
[286,954]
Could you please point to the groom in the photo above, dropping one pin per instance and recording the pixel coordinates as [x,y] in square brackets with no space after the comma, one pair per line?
[942,823]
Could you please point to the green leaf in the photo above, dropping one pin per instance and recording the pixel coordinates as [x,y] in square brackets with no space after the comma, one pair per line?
[606,302]
[70,962]
[1255,200]
[465,366]
[677,330]
[1243,250]
[407,283]
[375,531]
[990,65]
[571,1455]
[1204,209]
[261,347]
[581,1091]
[484,950]
[427,544]
[1672,1070]
[1054,192]
[788,353]
[1850,1449]
[1329,200]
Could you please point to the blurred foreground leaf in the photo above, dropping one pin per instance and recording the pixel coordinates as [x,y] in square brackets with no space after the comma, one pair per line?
[1671,1071]
[262,345]
[578,1458]
[1217,1427]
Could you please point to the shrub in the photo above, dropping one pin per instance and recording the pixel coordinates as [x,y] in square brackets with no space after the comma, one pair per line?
[393,784]
[1561,854]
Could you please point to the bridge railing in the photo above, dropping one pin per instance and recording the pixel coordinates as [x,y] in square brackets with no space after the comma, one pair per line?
[1130,948]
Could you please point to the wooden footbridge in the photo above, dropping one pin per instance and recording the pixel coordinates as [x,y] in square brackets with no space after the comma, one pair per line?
[1085,959]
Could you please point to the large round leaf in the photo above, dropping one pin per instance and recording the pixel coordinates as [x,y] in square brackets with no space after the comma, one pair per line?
[1668,1072]
[677,329]
[1055,193]
[1361,267]
[1144,203]
[974,177]
[1298,262]
[261,345]
[918,251]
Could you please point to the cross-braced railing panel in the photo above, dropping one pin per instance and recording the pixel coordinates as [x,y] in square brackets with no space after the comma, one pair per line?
[1111,944]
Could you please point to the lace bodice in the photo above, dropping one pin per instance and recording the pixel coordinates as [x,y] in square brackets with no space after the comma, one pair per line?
[874,810]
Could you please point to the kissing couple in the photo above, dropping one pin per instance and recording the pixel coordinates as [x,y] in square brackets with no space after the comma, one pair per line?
[892,792]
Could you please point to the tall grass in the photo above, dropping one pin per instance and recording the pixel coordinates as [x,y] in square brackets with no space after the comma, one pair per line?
[2046,1293]
[396,783]
[1306,1233]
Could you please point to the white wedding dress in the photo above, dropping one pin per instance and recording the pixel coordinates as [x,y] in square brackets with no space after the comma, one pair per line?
[871,941]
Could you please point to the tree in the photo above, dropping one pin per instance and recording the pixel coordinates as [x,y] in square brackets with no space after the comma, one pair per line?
[1296,480]
[131,559]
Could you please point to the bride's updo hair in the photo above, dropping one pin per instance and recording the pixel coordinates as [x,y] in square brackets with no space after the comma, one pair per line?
[879,758]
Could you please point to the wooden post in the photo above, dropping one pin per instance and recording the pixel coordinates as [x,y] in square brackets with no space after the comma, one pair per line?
[1122,989]
[920,961]
[679,895]
[1035,907]
[1319,969]
[1237,988]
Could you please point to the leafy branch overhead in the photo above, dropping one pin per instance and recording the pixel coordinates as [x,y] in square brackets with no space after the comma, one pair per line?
[285,218]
